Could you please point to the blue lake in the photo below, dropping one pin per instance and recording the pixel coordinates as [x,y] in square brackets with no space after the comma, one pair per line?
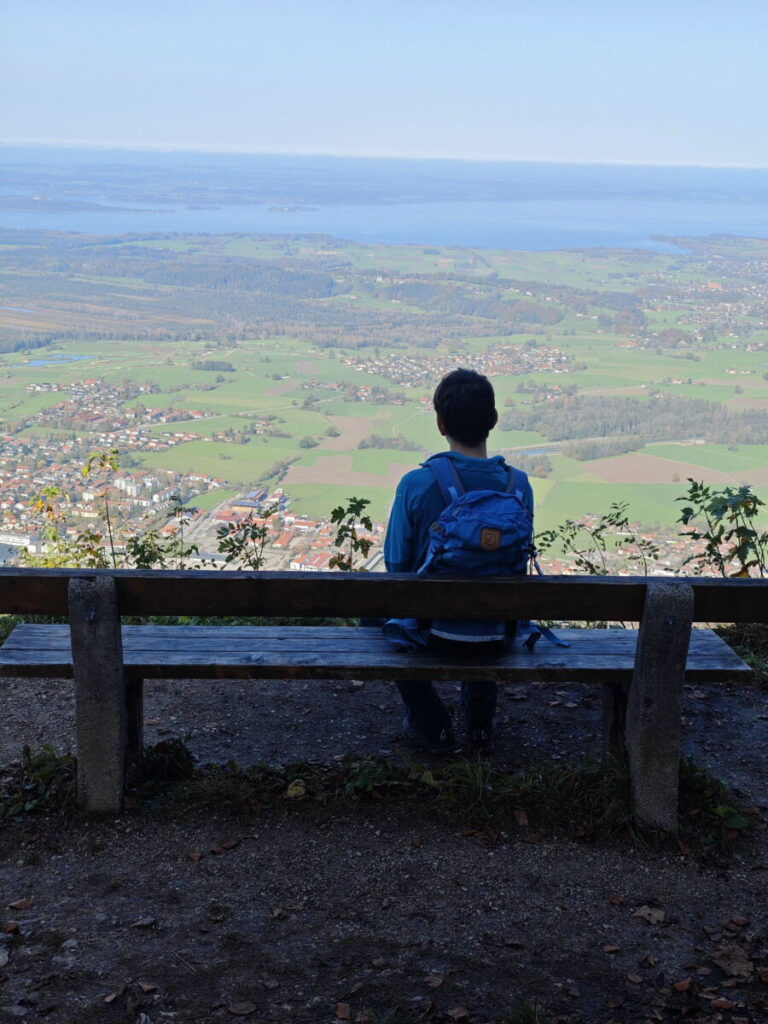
[533,225]
[56,360]
[504,205]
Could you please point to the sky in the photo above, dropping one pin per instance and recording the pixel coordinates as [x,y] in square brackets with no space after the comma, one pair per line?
[650,82]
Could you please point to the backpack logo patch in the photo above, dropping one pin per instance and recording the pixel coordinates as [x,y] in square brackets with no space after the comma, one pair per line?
[490,539]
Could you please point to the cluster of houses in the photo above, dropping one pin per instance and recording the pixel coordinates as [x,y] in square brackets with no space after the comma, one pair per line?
[409,370]
[296,542]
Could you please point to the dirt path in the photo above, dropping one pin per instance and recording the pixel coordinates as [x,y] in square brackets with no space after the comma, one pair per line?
[310,916]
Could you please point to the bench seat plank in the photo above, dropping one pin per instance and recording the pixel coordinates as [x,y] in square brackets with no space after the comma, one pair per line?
[321,652]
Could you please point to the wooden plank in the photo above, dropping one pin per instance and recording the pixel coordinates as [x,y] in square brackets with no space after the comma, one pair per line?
[30,636]
[202,592]
[333,652]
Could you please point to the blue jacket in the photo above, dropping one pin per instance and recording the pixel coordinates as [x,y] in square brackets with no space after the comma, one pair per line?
[418,504]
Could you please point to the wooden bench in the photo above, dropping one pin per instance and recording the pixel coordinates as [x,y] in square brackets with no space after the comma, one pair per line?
[643,670]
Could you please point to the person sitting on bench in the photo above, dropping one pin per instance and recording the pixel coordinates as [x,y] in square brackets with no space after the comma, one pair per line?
[465,407]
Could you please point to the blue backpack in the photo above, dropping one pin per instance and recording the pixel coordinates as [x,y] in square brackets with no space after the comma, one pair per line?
[478,533]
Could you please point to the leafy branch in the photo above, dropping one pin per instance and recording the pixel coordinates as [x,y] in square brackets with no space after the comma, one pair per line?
[726,521]
[348,519]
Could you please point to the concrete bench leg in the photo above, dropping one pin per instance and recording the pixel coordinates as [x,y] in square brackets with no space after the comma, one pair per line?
[653,712]
[100,696]
[135,724]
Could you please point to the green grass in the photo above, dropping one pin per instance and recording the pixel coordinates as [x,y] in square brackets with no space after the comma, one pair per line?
[319,499]
[649,504]
[714,456]
[240,463]
[214,498]
[378,460]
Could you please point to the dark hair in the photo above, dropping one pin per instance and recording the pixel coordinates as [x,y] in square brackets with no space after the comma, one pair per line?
[465,402]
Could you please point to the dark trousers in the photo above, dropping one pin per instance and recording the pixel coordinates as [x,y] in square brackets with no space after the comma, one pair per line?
[426,711]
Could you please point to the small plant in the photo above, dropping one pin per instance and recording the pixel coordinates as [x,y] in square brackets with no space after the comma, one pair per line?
[526,1014]
[84,551]
[104,464]
[243,542]
[726,521]
[708,818]
[161,769]
[179,552]
[39,782]
[366,777]
[348,520]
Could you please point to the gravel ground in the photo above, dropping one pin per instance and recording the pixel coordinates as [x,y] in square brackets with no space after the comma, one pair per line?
[302,915]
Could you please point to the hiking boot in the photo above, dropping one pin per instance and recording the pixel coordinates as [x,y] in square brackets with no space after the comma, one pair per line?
[439,740]
[480,738]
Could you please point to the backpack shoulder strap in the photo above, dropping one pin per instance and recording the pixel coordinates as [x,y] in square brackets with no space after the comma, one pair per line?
[516,483]
[447,477]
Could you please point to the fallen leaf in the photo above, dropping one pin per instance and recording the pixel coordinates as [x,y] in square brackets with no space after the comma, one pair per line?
[683,986]
[151,721]
[611,949]
[650,914]
[434,980]
[296,789]
[534,837]
[241,1009]
[634,979]
[616,901]
[458,1013]
[649,960]
[20,905]
[521,818]
[342,1011]
[733,961]
[739,922]
[113,995]
[227,844]
[194,855]
[11,927]
[147,987]
[723,1004]
[144,922]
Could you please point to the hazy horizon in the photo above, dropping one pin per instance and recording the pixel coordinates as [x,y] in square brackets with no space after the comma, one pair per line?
[595,83]
[202,150]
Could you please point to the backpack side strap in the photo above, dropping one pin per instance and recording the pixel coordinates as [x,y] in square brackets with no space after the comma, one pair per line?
[448,479]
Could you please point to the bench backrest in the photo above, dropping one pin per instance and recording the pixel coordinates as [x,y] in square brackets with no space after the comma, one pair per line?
[35,591]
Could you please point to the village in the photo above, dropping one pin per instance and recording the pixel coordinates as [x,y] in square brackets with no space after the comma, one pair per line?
[498,360]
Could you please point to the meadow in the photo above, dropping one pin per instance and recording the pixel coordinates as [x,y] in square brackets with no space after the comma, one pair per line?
[290,397]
